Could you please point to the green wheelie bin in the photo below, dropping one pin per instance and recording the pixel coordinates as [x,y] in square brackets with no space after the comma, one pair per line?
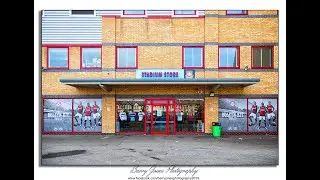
[216,129]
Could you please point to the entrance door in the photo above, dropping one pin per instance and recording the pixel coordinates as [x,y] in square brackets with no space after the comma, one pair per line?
[160,118]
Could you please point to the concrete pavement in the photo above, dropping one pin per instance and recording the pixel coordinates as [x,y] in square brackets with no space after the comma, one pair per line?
[111,150]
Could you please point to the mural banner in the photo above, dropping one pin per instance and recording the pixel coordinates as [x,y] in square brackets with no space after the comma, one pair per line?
[233,114]
[87,115]
[262,115]
[57,115]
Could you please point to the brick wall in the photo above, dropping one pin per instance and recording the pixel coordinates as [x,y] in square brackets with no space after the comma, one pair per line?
[211,112]
[143,30]
[108,115]
[259,30]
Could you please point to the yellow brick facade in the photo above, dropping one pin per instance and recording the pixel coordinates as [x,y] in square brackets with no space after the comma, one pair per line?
[172,30]
[160,57]
[44,56]
[141,30]
[74,57]
[211,56]
[108,114]
[108,57]
[263,12]
[254,30]
[211,112]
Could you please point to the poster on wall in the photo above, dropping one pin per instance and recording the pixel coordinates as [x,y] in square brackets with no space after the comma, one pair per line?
[262,115]
[87,115]
[57,115]
[233,114]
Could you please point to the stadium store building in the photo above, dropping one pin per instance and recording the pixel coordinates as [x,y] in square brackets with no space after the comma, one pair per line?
[158,102]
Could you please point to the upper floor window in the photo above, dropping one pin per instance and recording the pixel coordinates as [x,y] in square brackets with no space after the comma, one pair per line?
[82,12]
[229,57]
[262,57]
[134,12]
[193,57]
[126,57]
[91,57]
[184,12]
[237,12]
[58,58]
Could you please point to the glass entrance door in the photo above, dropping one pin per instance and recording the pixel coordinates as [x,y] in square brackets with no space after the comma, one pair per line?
[159,119]
[160,116]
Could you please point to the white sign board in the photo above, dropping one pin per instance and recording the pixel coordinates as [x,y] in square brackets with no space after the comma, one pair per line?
[159,73]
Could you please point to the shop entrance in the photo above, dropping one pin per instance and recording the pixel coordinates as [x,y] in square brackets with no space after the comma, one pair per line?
[160,116]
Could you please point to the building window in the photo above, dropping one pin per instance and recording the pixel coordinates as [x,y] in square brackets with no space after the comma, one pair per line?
[58,58]
[91,58]
[184,12]
[237,12]
[193,57]
[189,115]
[262,57]
[229,57]
[134,12]
[130,116]
[82,12]
[127,57]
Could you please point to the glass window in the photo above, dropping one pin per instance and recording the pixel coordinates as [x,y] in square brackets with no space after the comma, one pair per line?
[130,115]
[189,115]
[91,57]
[237,12]
[184,12]
[82,12]
[193,57]
[58,57]
[262,57]
[126,57]
[133,12]
[228,57]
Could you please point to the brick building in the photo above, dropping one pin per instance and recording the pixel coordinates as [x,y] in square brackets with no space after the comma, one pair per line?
[159,71]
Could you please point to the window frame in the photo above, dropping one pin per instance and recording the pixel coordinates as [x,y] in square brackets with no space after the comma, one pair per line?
[81,56]
[178,100]
[118,100]
[175,14]
[272,58]
[119,47]
[192,67]
[124,14]
[246,13]
[238,59]
[56,47]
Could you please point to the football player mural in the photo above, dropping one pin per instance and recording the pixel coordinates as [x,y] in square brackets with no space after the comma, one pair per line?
[262,115]
[87,116]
